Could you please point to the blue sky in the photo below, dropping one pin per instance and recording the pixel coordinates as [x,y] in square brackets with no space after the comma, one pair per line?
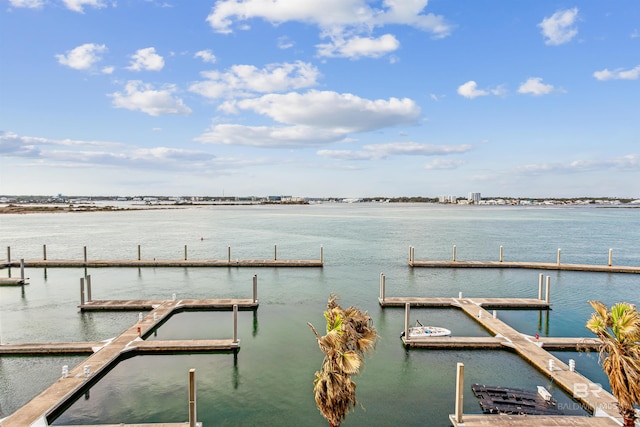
[320,98]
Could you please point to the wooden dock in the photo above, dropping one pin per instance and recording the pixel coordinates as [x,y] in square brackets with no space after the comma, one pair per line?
[506,303]
[492,420]
[71,263]
[183,304]
[524,265]
[530,349]
[106,354]
[12,281]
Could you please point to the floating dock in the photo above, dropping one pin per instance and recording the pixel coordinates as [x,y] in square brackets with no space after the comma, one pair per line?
[526,265]
[12,281]
[76,263]
[106,354]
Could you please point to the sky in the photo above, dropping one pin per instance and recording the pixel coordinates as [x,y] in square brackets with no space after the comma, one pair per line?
[320,98]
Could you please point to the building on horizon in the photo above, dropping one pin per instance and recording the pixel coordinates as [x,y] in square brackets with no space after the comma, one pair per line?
[474,198]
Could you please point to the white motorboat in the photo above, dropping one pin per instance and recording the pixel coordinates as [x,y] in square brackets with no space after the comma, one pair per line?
[422,331]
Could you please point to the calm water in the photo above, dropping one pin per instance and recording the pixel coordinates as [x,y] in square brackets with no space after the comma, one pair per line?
[269,382]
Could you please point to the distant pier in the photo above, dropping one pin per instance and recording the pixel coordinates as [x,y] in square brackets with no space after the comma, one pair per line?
[454,262]
[86,262]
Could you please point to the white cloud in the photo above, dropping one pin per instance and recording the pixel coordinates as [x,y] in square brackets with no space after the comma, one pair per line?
[29,4]
[470,90]
[82,57]
[627,162]
[559,27]
[78,5]
[444,164]
[285,43]
[206,56]
[146,59]
[357,47]
[331,16]
[534,86]
[142,97]
[618,74]
[382,151]
[243,80]
[312,118]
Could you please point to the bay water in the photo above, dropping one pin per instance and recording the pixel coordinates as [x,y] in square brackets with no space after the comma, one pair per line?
[269,381]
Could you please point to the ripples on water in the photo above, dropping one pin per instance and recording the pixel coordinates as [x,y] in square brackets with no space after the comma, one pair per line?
[270,380]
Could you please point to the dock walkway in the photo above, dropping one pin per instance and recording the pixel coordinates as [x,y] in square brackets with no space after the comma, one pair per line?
[601,403]
[107,354]
[525,265]
[78,263]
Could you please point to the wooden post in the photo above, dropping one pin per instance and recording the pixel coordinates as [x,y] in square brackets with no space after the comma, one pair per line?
[192,398]
[22,269]
[459,391]
[407,309]
[88,287]
[500,253]
[321,254]
[548,289]
[275,252]
[44,252]
[82,291]
[610,257]
[138,252]
[9,254]
[85,254]
[383,280]
[229,253]
[454,252]
[235,323]
[255,288]
[185,252]
[540,281]
[558,256]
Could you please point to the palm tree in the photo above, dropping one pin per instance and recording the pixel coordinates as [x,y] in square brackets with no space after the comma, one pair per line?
[350,335]
[619,331]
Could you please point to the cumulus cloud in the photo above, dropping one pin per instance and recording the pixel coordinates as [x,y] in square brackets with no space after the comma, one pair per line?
[470,90]
[627,162]
[336,19]
[143,97]
[146,59]
[618,74]
[243,80]
[29,4]
[357,47]
[444,164]
[78,5]
[312,118]
[75,153]
[559,28]
[206,56]
[82,57]
[382,151]
[534,86]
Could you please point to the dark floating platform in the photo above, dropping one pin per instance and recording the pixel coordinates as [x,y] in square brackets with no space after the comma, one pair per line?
[514,401]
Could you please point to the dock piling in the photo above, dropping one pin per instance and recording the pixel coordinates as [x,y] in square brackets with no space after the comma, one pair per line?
[540,281]
[407,309]
[255,288]
[383,281]
[454,252]
[9,254]
[459,391]
[85,254]
[185,252]
[548,289]
[235,323]
[192,398]
[22,269]
[559,256]
[44,252]
[275,252]
[610,257]
[500,253]
[82,291]
[321,254]
[229,254]
[138,252]
[88,280]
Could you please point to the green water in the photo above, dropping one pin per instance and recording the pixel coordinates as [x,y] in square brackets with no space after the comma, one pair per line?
[269,381]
